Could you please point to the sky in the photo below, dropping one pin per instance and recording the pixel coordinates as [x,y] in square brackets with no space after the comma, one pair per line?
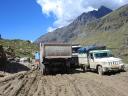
[29,19]
[22,19]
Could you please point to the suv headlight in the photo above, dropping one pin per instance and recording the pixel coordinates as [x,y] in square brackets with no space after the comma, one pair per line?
[105,62]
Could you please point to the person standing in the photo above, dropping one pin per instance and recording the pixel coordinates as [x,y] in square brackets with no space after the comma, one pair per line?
[37,59]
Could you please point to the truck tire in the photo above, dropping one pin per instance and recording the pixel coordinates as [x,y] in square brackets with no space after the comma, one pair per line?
[100,70]
[68,67]
[42,69]
[84,68]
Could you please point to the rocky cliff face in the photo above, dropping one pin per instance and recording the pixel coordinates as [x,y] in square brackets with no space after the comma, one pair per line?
[65,34]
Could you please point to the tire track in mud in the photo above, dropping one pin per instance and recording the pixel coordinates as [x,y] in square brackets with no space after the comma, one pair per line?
[12,85]
[88,88]
[32,83]
[108,84]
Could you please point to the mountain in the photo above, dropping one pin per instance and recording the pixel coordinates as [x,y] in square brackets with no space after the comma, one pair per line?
[65,34]
[109,30]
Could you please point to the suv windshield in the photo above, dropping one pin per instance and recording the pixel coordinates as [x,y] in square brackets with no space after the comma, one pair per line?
[103,55]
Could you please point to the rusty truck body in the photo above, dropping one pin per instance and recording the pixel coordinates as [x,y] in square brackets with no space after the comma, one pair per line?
[55,57]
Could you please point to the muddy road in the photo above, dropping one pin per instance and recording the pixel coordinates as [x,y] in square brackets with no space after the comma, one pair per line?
[32,83]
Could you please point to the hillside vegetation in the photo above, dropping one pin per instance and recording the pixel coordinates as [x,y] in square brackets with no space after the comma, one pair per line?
[108,30]
[21,48]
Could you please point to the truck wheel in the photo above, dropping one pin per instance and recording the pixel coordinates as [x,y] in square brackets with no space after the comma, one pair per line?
[68,67]
[47,70]
[100,70]
[84,69]
[42,69]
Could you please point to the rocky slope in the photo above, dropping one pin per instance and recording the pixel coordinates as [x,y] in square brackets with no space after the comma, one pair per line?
[20,48]
[109,30]
[65,34]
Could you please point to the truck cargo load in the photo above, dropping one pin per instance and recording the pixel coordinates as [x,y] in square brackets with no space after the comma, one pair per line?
[91,47]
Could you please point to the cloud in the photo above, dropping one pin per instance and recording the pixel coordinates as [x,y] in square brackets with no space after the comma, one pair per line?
[65,11]
[50,29]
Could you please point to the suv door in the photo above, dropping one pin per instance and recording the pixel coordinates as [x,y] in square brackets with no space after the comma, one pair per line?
[91,60]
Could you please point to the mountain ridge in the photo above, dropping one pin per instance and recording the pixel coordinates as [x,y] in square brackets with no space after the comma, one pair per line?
[73,29]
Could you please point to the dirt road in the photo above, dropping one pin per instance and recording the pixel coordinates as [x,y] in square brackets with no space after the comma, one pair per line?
[32,83]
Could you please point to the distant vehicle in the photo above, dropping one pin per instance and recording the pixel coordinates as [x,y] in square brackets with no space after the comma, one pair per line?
[55,57]
[97,58]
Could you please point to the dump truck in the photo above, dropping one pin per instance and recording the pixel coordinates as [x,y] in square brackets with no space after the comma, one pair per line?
[97,58]
[55,57]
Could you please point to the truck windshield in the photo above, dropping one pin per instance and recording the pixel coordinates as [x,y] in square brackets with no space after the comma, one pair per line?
[103,55]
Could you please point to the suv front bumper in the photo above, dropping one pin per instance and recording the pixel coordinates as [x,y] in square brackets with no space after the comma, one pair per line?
[119,68]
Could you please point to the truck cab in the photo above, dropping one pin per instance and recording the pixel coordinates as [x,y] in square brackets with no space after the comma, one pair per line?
[104,61]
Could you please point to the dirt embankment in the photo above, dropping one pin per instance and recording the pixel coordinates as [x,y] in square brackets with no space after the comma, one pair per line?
[32,83]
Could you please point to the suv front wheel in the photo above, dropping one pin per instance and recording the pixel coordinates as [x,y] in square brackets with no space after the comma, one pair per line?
[100,70]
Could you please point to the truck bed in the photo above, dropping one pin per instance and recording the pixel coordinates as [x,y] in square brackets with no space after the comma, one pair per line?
[56,51]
